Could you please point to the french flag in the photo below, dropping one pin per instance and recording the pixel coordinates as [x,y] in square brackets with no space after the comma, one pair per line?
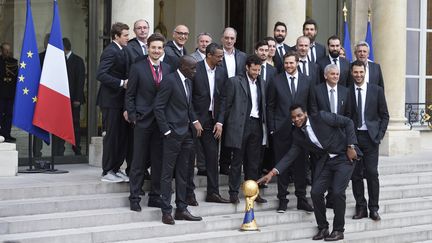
[53,111]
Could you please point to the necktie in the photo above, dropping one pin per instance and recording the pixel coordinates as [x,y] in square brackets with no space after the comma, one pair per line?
[304,71]
[359,108]
[262,72]
[144,49]
[281,52]
[332,101]
[188,89]
[335,61]
[156,68]
[312,54]
[293,90]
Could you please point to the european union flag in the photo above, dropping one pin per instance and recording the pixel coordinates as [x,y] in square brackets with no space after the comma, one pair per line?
[368,39]
[347,42]
[29,71]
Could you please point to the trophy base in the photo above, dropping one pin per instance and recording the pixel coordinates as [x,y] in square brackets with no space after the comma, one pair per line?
[252,226]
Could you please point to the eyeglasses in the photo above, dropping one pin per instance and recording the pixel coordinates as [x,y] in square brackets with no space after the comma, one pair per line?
[182,33]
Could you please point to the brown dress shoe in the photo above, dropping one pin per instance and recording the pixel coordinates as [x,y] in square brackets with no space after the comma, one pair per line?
[334,236]
[360,213]
[186,215]
[374,215]
[167,219]
[216,198]
[322,233]
[259,199]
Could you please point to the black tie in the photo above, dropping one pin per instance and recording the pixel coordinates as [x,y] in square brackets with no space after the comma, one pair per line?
[312,54]
[293,90]
[304,67]
[156,68]
[281,52]
[335,61]
[262,72]
[188,88]
[359,108]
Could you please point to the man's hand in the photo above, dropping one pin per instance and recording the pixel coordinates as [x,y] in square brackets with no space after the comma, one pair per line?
[267,178]
[351,154]
[125,83]
[198,128]
[217,130]
[125,115]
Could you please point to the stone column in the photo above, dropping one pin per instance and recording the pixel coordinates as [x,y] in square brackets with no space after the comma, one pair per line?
[128,11]
[389,34]
[8,159]
[292,13]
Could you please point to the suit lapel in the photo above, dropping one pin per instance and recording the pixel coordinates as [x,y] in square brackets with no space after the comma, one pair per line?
[244,85]
[286,86]
[181,87]
[340,101]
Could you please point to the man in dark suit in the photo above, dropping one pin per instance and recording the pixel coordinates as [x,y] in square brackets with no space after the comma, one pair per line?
[112,74]
[245,109]
[317,50]
[137,46]
[334,46]
[286,89]
[209,108]
[144,81]
[279,33]
[331,140]
[174,114]
[373,70]
[306,67]
[234,63]
[175,48]
[8,81]
[370,115]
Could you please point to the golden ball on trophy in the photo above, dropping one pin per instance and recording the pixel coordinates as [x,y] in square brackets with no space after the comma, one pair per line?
[250,188]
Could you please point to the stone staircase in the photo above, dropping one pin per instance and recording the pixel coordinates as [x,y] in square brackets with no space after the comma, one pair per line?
[50,208]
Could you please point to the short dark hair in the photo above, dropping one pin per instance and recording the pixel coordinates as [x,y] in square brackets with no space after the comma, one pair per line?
[279,24]
[296,106]
[310,21]
[156,37]
[269,38]
[253,59]
[212,47]
[333,37]
[117,28]
[358,63]
[67,44]
[291,53]
[260,43]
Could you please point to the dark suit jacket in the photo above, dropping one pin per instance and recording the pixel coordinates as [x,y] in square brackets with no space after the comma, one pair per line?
[141,93]
[314,72]
[113,67]
[240,60]
[375,75]
[173,110]
[271,72]
[174,54]
[334,132]
[375,114]
[344,69]
[201,94]
[7,89]
[133,50]
[322,101]
[238,108]
[278,59]
[76,76]
[279,99]
[320,51]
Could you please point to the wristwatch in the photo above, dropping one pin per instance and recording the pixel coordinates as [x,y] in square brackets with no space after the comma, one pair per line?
[352,146]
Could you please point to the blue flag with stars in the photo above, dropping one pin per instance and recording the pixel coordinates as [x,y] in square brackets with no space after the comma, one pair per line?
[29,71]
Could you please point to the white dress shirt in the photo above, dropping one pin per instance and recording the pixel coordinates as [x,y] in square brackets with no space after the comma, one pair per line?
[211,81]
[363,94]
[254,97]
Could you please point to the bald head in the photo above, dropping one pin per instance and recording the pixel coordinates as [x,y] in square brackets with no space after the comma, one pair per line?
[181,35]
[229,38]
[187,66]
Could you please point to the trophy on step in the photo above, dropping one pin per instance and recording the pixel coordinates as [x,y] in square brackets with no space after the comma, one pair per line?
[250,191]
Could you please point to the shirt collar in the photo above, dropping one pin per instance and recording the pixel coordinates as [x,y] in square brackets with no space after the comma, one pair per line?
[68,55]
[182,77]
[178,47]
[289,75]
[121,48]
[141,43]
[227,53]
[250,80]
[363,87]
[330,87]
[208,67]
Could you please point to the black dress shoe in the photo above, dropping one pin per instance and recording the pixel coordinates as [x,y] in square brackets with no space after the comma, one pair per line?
[302,204]
[334,236]
[147,175]
[202,173]
[186,215]
[10,139]
[191,201]
[283,205]
[155,202]
[234,199]
[374,215]
[135,206]
[259,199]
[167,219]
[216,198]
[322,233]
[360,213]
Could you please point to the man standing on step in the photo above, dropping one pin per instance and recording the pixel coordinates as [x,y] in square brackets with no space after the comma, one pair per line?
[370,115]
[331,141]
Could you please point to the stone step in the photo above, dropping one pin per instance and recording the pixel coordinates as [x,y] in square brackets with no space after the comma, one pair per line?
[273,226]
[98,217]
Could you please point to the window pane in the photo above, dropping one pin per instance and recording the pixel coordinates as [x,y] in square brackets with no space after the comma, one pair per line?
[429,14]
[412,57]
[413,14]
[428,54]
[412,90]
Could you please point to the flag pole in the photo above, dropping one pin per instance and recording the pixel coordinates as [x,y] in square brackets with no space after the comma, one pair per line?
[30,169]
[53,170]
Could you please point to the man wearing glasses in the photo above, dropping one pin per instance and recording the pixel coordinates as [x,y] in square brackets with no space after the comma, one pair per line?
[175,48]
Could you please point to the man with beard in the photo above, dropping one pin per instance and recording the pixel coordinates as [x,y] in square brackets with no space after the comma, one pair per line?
[334,45]
[279,33]
[316,51]
[209,108]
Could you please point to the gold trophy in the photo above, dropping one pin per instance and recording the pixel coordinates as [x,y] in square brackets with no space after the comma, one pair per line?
[250,191]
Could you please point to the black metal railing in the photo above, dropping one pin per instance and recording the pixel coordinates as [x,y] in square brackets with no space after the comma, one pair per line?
[418,114]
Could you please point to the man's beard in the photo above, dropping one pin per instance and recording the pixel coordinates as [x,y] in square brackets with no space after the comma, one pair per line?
[334,54]
[279,39]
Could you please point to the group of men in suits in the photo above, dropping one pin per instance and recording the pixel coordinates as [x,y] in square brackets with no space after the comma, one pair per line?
[219,95]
